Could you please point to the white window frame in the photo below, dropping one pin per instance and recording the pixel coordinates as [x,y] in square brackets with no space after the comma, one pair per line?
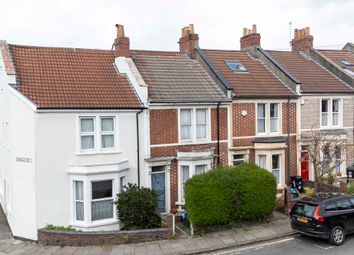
[240,161]
[87,184]
[268,118]
[192,166]
[269,154]
[98,135]
[330,113]
[194,125]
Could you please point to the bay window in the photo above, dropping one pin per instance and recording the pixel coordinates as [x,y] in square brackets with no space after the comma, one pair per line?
[184,178]
[330,112]
[79,200]
[273,161]
[193,124]
[276,167]
[268,118]
[262,161]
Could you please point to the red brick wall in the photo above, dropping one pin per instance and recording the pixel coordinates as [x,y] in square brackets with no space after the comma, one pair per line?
[292,118]
[242,142]
[293,158]
[222,125]
[244,125]
[164,126]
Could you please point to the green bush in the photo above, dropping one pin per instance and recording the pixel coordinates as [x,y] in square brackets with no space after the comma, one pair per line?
[210,198]
[258,192]
[60,228]
[228,194]
[136,207]
[350,188]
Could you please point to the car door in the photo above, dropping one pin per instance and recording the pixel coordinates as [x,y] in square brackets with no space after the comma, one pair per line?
[345,213]
[351,199]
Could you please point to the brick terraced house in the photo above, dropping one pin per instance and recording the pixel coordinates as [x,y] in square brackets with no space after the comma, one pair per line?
[188,121]
[327,102]
[264,109]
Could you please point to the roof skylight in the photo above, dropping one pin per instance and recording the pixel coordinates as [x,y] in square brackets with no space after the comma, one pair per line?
[346,62]
[236,66]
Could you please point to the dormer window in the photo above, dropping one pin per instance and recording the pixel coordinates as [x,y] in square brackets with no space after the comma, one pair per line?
[346,62]
[236,66]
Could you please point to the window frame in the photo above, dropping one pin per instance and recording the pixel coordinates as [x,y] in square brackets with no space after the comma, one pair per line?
[267,118]
[97,133]
[192,171]
[193,138]
[229,63]
[330,112]
[238,160]
[92,200]
[87,190]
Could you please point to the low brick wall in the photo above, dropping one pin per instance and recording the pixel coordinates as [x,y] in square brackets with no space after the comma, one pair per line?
[83,238]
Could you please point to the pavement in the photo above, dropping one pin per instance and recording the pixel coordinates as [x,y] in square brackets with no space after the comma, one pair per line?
[182,244]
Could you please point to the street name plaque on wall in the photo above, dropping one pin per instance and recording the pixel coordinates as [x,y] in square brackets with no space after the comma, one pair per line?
[23,160]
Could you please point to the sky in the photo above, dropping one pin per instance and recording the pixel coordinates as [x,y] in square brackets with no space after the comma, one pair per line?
[156,24]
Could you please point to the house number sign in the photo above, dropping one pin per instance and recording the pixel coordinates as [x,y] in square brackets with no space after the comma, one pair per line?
[23,160]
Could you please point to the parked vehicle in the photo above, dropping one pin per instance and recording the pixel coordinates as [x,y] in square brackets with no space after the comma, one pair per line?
[330,217]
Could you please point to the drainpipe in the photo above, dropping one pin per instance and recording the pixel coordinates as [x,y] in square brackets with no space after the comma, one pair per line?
[289,154]
[218,131]
[138,145]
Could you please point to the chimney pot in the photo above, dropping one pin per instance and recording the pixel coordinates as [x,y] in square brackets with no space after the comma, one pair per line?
[120,30]
[245,31]
[254,28]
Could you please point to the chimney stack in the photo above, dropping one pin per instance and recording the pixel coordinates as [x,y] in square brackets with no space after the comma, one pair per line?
[121,43]
[188,41]
[250,38]
[302,41]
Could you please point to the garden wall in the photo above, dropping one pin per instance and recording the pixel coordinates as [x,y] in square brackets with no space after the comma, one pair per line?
[81,238]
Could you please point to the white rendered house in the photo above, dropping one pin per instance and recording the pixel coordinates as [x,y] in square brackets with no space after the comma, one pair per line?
[68,137]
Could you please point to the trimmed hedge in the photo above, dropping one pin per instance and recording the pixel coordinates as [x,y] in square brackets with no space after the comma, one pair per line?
[228,194]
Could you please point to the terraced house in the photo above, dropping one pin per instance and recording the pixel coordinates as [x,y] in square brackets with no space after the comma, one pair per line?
[326,103]
[68,137]
[187,132]
[264,109]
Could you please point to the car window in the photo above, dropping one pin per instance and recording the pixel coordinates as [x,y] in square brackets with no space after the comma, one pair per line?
[352,201]
[330,206]
[304,209]
[343,204]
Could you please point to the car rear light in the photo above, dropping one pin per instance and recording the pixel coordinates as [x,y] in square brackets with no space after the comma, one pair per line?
[317,216]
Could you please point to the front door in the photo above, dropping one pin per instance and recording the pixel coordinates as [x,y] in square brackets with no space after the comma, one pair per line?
[158,184]
[305,165]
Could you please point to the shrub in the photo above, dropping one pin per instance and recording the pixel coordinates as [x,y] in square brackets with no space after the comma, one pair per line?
[210,198]
[258,192]
[60,228]
[136,207]
[227,194]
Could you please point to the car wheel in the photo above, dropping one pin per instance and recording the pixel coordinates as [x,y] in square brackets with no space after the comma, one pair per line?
[337,236]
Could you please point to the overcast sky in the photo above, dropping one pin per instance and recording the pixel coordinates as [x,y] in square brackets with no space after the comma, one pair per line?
[156,24]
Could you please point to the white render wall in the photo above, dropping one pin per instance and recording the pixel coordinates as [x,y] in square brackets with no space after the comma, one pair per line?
[17,159]
[57,155]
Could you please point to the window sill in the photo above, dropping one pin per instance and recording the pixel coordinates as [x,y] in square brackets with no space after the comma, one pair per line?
[195,142]
[87,153]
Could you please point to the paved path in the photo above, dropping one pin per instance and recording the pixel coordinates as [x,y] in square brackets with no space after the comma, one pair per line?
[183,244]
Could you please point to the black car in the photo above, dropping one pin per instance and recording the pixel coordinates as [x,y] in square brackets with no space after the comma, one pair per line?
[330,217]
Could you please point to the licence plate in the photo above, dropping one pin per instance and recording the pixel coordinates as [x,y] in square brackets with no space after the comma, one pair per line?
[303,220]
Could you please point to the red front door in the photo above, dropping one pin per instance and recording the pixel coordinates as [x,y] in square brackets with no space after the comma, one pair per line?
[305,165]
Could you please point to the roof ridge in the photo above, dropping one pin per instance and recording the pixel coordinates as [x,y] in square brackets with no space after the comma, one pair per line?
[55,47]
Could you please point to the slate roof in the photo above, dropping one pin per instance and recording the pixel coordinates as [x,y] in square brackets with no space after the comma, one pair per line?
[174,77]
[337,55]
[258,81]
[67,78]
[313,77]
